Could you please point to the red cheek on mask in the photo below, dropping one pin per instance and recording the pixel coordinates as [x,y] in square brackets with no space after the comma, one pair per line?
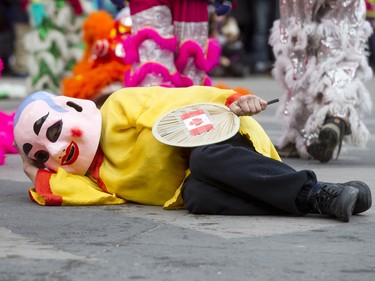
[76,132]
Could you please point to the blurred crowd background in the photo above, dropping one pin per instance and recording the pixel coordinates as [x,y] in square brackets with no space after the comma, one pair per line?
[243,35]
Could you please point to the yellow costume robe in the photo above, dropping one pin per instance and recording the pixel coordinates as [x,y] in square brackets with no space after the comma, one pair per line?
[131,165]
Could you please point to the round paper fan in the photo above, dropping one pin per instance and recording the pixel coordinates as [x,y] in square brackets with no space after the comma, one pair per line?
[196,124]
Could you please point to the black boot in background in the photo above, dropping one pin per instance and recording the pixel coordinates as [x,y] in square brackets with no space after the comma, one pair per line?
[330,136]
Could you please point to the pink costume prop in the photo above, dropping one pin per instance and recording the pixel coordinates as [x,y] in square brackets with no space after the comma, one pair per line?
[170,45]
[6,135]
[6,131]
[321,60]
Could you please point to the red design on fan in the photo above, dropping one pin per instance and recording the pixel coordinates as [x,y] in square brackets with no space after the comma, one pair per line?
[197,122]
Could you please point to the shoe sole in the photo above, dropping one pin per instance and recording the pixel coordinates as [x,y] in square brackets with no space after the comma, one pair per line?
[323,149]
[348,199]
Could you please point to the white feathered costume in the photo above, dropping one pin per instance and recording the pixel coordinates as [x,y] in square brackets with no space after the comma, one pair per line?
[320,48]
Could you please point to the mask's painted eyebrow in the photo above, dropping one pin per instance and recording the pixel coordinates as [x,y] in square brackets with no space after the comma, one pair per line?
[26,148]
[77,107]
[38,124]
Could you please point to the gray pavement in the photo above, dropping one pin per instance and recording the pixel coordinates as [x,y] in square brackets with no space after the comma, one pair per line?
[133,242]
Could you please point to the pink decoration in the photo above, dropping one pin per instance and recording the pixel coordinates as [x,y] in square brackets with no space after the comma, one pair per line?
[77,7]
[1,66]
[205,62]
[207,81]
[131,44]
[6,135]
[136,78]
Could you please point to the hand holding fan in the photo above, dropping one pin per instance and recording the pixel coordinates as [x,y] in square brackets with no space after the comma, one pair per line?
[197,124]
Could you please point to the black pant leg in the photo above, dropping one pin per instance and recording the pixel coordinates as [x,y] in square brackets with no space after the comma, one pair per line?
[235,167]
[202,198]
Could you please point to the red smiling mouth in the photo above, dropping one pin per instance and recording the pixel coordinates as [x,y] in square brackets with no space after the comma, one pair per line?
[71,154]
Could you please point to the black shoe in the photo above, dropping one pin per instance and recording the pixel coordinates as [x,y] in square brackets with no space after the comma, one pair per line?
[330,136]
[364,200]
[332,199]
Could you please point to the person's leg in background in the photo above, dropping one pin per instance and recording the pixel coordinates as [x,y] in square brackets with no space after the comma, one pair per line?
[263,13]
[372,49]
[6,37]
[370,17]
[255,20]
[21,28]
